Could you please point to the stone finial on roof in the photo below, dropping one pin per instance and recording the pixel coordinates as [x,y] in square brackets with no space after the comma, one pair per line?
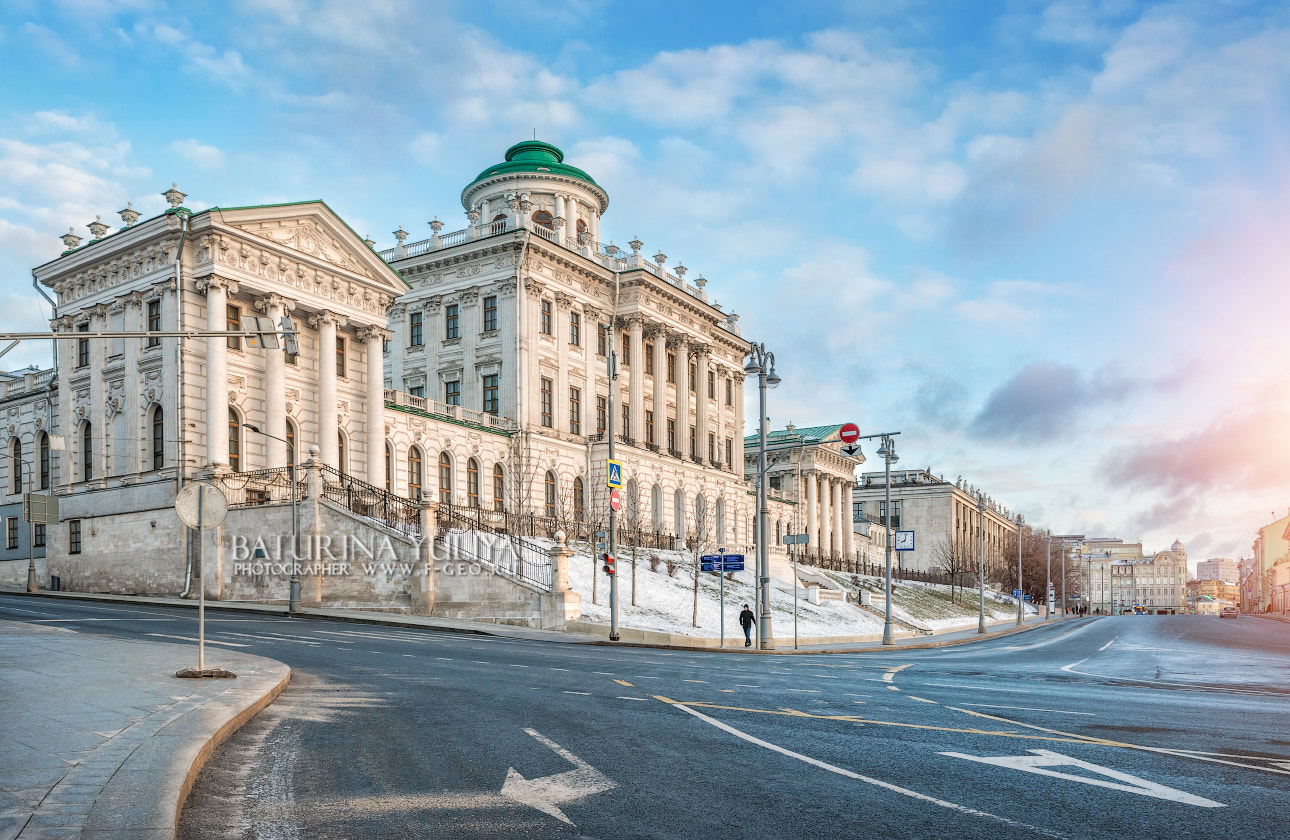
[70,239]
[129,215]
[173,196]
[636,245]
[97,228]
[400,234]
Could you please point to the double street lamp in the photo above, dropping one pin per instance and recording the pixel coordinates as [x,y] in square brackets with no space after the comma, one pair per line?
[761,362]
[293,595]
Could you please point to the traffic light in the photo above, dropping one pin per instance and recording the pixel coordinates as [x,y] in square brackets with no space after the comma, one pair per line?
[608,560]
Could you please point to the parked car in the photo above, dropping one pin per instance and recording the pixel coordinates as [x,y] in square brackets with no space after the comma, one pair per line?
[1228,612]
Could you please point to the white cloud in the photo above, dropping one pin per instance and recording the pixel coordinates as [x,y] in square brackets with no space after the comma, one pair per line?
[197,153]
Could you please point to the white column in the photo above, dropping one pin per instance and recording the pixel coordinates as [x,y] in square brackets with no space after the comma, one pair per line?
[275,390]
[839,532]
[375,337]
[328,424]
[848,521]
[811,523]
[217,289]
[681,346]
[636,395]
[134,404]
[701,400]
[826,541]
[659,336]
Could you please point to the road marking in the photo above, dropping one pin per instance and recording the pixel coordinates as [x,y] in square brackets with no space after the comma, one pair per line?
[921,700]
[980,688]
[726,690]
[741,685]
[513,666]
[646,699]
[476,661]
[48,620]
[803,690]
[857,695]
[1067,668]
[913,794]
[695,681]
[1030,709]
[624,682]
[546,793]
[194,641]
[639,677]
[894,687]
[444,658]
[583,693]
[559,669]
[1107,645]
[891,672]
[825,676]
[1044,759]
[605,673]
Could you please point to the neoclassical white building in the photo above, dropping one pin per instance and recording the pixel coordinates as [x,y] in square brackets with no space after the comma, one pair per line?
[468,369]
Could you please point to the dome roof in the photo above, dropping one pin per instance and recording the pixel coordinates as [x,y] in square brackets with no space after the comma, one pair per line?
[1177,546]
[535,156]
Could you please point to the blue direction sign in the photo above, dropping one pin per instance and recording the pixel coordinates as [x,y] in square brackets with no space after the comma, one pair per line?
[721,563]
[1016,593]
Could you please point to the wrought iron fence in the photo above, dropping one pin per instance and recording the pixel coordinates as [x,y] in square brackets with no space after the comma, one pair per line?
[484,535]
[375,503]
[262,487]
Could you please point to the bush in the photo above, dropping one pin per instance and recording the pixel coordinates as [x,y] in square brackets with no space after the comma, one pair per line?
[671,567]
[653,562]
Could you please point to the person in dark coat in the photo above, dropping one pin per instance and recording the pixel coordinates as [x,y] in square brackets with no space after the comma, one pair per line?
[746,619]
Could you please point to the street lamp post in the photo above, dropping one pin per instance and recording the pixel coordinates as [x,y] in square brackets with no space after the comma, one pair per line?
[1048,559]
[1020,594]
[888,453]
[762,363]
[293,593]
[980,562]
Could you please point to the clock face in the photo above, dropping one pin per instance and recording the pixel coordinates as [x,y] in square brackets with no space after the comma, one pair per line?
[904,540]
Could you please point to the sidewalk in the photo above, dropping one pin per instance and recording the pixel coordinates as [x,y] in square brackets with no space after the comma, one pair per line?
[99,739]
[455,625]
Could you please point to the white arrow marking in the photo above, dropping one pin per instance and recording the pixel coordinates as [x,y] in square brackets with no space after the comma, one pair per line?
[1043,759]
[547,792]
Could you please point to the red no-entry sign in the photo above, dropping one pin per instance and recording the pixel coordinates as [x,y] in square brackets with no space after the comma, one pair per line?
[615,500]
[849,433]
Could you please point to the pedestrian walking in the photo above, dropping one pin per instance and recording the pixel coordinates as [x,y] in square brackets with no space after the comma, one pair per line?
[746,619]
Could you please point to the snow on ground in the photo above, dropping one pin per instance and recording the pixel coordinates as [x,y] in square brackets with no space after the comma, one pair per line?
[665,603]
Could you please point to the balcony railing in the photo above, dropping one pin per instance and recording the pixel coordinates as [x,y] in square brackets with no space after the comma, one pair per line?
[434,408]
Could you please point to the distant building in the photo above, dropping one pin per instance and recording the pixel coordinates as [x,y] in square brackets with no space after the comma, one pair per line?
[1119,577]
[946,517]
[1218,569]
[1207,596]
[1271,579]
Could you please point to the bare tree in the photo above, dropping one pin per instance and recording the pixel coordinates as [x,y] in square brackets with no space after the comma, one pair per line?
[631,519]
[700,540]
[954,556]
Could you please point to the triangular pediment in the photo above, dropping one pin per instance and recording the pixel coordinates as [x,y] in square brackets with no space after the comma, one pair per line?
[313,230]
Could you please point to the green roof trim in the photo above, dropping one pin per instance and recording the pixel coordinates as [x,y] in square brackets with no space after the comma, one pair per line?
[453,420]
[807,434]
[535,156]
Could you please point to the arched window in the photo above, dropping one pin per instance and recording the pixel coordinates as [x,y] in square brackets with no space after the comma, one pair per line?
[340,452]
[656,507]
[499,487]
[234,441]
[15,466]
[87,452]
[678,511]
[291,444]
[445,478]
[579,499]
[543,219]
[389,468]
[158,439]
[44,461]
[472,483]
[499,223]
[414,473]
[550,494]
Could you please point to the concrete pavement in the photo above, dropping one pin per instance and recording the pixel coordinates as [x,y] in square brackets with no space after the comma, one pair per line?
[100,740]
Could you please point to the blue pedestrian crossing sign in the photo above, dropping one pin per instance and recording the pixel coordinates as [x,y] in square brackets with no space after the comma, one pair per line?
[614,474]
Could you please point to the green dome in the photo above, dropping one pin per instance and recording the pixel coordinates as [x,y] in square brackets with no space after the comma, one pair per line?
[535,156]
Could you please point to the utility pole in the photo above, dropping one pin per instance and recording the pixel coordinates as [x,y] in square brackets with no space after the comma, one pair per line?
[1021,617]
[611,367]
[1048,589]
[980,563]
[888,453]
[762,363]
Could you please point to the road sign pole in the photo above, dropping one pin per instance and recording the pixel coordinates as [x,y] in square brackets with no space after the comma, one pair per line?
[201,581]
[613,534]
[721,552]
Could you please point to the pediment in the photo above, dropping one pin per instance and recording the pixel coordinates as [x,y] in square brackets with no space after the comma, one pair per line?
[308,237]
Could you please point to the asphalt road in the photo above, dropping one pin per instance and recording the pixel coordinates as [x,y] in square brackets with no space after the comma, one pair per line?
[1135,726]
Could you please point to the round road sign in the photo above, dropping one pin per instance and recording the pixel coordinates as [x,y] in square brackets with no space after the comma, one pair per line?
[849,433]
[615,500]
[201,498]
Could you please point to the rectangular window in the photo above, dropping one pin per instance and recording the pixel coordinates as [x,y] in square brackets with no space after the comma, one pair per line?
[418,391]
[730,453]
[452,392]
[546,317]
[627,421]
[233,323]
[575,411]
[671,368]
[694,377]
[694,441]
[712,447]
[730,391]
[649,359]
[11,530]
[895,514]
[73,536]
[450,321]
[671,435]
[415,335]
[490,394]
[38,535]
[602,414]
[340,357]
[649,424]
[490,313]
[712,384]
[548,418]
[575,329]
[602,333]
[82,347]
[627,350]
[154,322]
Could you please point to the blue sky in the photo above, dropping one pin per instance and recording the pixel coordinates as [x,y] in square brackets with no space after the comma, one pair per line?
[1045,240]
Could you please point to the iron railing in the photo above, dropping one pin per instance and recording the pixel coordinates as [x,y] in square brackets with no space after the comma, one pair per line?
[468,531]
[262,487]
[359,497]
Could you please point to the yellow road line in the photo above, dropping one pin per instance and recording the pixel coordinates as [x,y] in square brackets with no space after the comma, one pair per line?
[624,682]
